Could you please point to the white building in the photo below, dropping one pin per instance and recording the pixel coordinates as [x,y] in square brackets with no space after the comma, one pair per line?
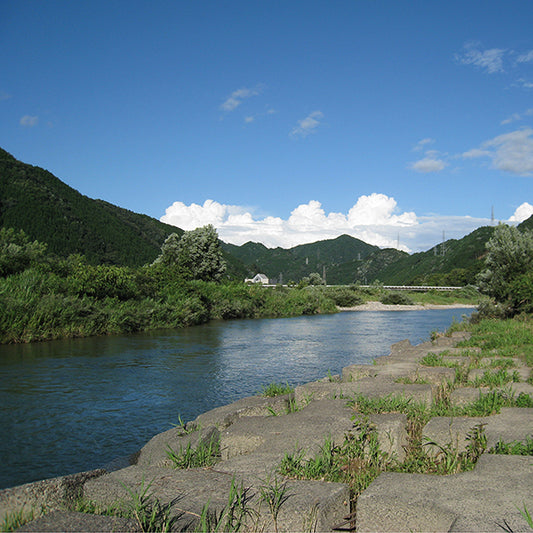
[258,278]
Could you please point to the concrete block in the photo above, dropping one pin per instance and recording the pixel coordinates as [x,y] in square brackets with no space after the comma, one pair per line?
[392,432]
[81,523]
[49,494]
[481,500]
[466,395]
[356,372]
[449,432]
[224,416]
[310,505]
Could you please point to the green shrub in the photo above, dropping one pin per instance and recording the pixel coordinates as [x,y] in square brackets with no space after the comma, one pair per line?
[344,296]
[396,298]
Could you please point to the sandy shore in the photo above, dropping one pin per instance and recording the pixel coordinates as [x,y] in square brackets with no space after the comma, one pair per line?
[378,306]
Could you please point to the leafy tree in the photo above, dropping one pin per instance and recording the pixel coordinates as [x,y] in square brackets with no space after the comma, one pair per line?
[17,252]
[509,262]
[315,279]
[197,255]
[169,251]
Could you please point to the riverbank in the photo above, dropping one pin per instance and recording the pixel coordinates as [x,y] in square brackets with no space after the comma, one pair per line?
[378,306]
[284,475]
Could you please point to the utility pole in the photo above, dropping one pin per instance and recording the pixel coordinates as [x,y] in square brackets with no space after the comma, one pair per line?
[492,216]
[443,246]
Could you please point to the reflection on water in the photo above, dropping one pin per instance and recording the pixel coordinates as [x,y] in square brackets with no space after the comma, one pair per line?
[74,405]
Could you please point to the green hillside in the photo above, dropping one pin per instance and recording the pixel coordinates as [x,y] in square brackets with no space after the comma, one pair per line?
[48,210]
[295,263]
[454,262]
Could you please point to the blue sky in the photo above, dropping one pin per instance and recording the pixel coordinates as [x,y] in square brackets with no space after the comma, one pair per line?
[280,122]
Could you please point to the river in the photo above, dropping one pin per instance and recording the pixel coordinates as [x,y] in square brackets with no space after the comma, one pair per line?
[73,405]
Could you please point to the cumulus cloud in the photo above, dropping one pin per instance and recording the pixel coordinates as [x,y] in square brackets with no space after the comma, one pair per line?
[511,152]
[523,212]
[489,60]
[307,125]
[29,121]
[236,98]
[374,219]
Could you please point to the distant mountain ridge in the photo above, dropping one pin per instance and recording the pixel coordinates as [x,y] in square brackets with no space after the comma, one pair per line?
[50,211]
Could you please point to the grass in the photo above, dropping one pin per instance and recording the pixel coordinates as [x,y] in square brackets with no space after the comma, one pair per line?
[204,454]
[232,517]
[274,493]
[503,338]
[16,519]
[359,460]
[143,507]
[276,389]
[182,427]
[496,379]
[513,448]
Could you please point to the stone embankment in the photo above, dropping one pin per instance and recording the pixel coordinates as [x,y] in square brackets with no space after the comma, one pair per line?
[253,442]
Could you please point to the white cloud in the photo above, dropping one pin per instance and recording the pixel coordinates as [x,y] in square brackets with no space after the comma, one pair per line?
[489,60]
[236,98]
[524,83]
[523,212]
[423,142]
[374,219]
[29,121]
[525,58]
[428,164]
[517,116]
[307,125]
[511,152]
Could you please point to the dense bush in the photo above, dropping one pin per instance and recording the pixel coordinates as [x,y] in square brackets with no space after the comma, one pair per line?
[396,298]
[507,277]
[344,296]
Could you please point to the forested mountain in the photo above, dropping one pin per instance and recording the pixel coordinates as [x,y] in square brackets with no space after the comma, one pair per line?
[48,210]
[454,262]
[293,264]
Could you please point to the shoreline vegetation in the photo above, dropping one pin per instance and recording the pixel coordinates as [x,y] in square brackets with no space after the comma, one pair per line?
[44,297]
[41,304]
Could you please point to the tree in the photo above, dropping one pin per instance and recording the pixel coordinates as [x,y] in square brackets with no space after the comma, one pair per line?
[197,255]
[169,251]
[508,264]
[17,252]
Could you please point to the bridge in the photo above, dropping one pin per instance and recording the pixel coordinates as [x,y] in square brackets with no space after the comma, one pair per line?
[420,288]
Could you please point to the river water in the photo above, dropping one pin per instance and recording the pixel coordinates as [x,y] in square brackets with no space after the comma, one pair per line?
[74,405]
